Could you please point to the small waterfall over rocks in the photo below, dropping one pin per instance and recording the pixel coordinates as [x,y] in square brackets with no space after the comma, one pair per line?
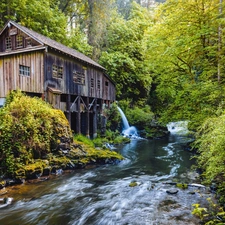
[179,127]
[128,131]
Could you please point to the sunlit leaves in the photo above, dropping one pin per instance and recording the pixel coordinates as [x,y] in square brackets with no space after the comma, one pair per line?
[211,145]
[125,56]
[185,38]
[29,129]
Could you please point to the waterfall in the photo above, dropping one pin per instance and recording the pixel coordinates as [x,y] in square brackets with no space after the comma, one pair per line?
[124,119]
[180,127]
[128,131]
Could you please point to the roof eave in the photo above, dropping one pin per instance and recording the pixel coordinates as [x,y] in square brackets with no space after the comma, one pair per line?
[23,50]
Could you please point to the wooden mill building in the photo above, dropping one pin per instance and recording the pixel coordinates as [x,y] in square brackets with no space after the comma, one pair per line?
[65,78]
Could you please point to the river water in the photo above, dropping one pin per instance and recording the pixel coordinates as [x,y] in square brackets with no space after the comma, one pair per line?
[103,195]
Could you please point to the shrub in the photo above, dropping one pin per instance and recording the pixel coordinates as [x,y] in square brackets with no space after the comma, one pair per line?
[29,129]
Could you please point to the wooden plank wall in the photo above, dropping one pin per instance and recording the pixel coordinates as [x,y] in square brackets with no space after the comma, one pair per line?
[12,80]
[67,86]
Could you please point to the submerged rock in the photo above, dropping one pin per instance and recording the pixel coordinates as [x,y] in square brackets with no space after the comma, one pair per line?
[172,191]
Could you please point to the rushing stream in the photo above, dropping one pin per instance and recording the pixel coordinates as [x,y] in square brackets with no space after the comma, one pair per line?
[102,195]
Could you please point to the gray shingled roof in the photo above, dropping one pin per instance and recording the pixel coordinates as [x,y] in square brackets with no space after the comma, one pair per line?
[56,45]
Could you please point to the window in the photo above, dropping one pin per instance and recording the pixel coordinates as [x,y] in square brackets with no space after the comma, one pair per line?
[92,82]
[24,70]
[106,83]
[54,71]
[57,71]
[78,78]
[19,41]
[60,72]
[99,85]
[29,42]
[8,43]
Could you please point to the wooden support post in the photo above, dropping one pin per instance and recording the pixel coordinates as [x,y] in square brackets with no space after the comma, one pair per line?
[68,111]
[78,120]
[95,113]
[87,118]
[103,120]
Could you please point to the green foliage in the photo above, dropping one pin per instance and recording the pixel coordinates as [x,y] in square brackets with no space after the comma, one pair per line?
[42,16]
[212,215]
[125,54]
[93,155]
[113,117]
[211,146]
[78,41]
[198,211]
[83,139]
[139,116]
[111,137]
[186,60]
[182,185]
[29,129]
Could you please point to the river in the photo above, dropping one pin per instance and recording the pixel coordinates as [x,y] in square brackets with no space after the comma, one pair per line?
[103,195]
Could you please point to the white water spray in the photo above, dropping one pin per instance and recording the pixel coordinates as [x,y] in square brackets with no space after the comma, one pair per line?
[180,127]
[124,119]
[128,131]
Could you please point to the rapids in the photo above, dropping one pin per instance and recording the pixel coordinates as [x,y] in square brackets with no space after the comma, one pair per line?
[103,195]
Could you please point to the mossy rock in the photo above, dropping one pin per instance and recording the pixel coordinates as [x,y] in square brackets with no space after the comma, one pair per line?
[182,185]
[133,184]
[20,173]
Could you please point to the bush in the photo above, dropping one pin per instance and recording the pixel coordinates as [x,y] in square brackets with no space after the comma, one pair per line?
[139,116]
[29,129]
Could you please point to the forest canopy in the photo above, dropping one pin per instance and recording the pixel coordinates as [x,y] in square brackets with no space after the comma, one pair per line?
[156,53]
[168,55]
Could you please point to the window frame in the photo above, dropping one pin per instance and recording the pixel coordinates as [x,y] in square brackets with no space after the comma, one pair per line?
[19,41]
[8,43]
[24,70]
[92,82]
[79,77]
[57,71]
[99,85]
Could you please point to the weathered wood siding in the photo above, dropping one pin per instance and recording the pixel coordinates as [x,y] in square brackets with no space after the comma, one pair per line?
[12,79]
[96,85]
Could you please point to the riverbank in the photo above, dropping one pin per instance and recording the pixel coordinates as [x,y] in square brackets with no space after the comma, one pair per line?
[76,156]
[103,195]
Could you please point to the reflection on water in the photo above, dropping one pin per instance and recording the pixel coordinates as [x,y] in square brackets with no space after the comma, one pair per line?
[102,196]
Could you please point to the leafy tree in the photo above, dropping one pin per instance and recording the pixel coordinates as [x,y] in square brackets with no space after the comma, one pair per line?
[124,56]
[42,16]
[211,144]
[185,63]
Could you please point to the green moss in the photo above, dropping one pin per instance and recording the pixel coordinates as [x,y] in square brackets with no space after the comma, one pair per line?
[83,139]
[91,154]
[133,184]
[182,185]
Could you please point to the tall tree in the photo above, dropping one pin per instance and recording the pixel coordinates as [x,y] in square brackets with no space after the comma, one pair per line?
[186,63]
[125,56]
[42,16]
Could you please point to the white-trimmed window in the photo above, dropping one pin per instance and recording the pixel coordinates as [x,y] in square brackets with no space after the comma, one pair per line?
[24,70]
[19,41]
[79,78]
[57,71]
[8,43]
